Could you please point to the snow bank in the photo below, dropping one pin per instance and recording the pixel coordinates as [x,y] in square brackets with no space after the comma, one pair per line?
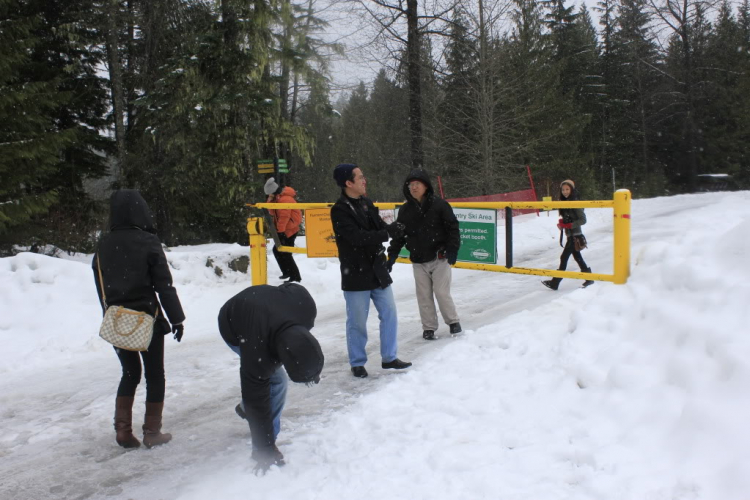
[627,392]
[618,392]
[50,313]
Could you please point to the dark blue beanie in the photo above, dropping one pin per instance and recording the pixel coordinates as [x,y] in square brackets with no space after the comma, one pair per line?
[343,173]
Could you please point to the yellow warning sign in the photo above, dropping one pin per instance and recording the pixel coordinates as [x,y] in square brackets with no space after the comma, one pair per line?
[321,241]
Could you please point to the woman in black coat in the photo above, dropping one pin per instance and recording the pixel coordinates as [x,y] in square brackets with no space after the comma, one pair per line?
[571,220]
[134,270]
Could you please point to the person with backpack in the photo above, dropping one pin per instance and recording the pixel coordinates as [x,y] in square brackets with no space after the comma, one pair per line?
[571,220]
[287,222]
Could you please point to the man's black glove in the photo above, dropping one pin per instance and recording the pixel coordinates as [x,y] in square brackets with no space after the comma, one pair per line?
[389,264]
[266,457]
[451,255]
[395,230]
[178,330]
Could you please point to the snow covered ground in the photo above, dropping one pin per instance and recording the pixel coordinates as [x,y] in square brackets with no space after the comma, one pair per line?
[639,391]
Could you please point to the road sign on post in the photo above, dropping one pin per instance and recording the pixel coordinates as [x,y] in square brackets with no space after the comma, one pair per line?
[321,241]
[268,167]
[478,235]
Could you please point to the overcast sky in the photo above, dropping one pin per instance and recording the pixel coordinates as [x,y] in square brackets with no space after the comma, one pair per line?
[352,26]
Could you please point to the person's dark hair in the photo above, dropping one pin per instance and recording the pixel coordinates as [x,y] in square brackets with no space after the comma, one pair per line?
[344,172]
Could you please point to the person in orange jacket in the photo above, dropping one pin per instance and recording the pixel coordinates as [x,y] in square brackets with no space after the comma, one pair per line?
[287,223]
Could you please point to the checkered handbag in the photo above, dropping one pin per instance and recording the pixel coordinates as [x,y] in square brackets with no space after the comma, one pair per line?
[125,328]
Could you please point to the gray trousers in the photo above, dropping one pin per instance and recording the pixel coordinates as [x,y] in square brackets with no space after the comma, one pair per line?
[434,278]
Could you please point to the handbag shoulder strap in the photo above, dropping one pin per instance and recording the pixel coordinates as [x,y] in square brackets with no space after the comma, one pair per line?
[101,281]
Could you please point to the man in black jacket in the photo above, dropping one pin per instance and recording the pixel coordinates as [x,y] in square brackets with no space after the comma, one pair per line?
[433,239]
[269,327]
[360,234]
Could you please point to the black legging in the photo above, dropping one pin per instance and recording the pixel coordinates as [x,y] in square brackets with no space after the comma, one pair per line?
[285,260]
[153,363]
[569,250]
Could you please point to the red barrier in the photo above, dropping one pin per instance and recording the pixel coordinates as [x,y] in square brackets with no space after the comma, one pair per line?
[525,195]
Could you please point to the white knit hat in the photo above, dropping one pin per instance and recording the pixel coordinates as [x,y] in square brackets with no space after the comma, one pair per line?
[270,186]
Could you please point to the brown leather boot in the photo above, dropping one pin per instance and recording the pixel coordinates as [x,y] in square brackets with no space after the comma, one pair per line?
[152,435]
[124,423]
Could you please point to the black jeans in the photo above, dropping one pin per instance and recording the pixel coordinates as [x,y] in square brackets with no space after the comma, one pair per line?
[153,363]
[569,250]
[285,259]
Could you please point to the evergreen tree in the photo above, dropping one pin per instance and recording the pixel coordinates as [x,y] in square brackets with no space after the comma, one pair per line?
[208,112]
[684,59]
[726,105]
[546,128]
[316,114]
[52,108]
[606,10]
[458,118]
[635,80]
[352,146]
[29,145]
[387,134]
[589,95]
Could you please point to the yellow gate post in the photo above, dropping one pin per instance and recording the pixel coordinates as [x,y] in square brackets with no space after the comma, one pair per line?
[257,250]
[622,236]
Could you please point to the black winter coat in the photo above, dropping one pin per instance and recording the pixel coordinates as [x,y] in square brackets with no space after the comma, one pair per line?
[360,234]
[430,227]
[133,264]
[254,320]
[574,216]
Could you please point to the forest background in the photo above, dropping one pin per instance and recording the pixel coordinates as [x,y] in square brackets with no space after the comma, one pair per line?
[181,98]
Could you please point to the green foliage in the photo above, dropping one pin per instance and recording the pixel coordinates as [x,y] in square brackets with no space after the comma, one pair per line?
[209,112]
[209,87]
[52,107]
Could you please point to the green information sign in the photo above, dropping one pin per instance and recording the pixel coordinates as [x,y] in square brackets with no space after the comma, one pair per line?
[478,228]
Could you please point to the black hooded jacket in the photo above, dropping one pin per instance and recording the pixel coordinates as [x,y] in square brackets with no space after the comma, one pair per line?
[134,267]
[430,227]
[271,325]
[360,234]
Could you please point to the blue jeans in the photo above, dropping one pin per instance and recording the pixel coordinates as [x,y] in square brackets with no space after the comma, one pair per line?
[357,310]
[278,394]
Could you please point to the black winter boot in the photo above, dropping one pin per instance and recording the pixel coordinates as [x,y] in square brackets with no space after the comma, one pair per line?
[455,328]
[587,282]
[359,371]
[240,412]
[552,284]
[429,335]
[124,422]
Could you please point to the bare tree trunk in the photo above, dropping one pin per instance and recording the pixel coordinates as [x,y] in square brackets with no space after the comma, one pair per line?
[286,46]
[130,77]
[229,19]
[295,88]
[116,84]
[676,14]
[644,132]
[486,107]
[413,50]
[692,131]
